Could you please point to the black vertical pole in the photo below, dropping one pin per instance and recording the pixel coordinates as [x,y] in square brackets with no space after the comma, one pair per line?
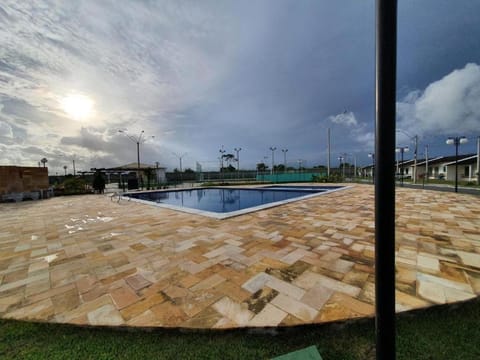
[457,141]
[401,173]
[386,49]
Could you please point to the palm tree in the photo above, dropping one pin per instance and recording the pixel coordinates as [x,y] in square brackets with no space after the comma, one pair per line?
[65,168]
[44,161]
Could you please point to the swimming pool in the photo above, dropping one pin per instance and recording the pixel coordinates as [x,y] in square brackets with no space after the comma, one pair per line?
[221,202]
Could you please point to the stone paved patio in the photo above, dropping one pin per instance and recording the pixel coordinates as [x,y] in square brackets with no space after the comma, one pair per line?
[88,260]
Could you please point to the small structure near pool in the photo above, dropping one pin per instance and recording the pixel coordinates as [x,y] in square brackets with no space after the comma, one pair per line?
[19,183]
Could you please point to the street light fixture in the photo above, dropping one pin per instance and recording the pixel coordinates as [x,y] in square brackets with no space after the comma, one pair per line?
[401,150]
[284,159]
[457,140]
[273,148]
[140,139]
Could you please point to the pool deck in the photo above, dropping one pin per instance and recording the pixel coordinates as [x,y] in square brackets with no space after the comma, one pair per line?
[92,261]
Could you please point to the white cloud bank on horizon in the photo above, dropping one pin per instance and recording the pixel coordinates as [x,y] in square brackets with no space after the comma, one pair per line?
[449,106]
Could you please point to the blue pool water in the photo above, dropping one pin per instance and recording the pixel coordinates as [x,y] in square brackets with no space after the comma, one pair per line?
[221,200]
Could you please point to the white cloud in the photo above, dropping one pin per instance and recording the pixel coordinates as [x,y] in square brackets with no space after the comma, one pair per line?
[450,105]
[5,130]
[345,118]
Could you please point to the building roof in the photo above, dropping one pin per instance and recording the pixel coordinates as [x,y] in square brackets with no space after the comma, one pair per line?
[466,160]
[134,166]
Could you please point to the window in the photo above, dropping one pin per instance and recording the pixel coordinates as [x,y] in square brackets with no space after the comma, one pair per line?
[466,171]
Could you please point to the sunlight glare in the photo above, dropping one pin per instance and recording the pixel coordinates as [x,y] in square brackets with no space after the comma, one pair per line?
[77,106]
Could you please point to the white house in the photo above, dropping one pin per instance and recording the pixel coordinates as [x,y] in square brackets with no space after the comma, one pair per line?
[443,167]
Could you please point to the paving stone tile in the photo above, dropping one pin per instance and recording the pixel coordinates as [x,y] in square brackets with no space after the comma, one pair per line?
[295,307]
[75,264]
[137,282]
[105,315]
[237,313]
[123,297]
[317,296]
[285,288]
[269,316]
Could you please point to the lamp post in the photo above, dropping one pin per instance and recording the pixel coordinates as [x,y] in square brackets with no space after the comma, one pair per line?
[372,155]
[273,148]
[284,159]
[140,139]
[341,159]
[300,161]
[401,150]
[221,151]
[457,140]
[237,150]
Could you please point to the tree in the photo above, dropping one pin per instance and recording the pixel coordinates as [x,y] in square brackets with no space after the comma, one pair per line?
[44,161]
[279,167]
[262,167]
[149,173]
[227,158]
[65,168]
[188,171]
[98,182]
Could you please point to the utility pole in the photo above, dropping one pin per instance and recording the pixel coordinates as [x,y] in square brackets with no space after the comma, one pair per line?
[415,139]
[221,151]
[426,162]
[328,150]
[273,148]
[354,167]
[284,159]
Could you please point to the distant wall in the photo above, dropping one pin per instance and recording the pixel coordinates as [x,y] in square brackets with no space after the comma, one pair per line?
[17,179]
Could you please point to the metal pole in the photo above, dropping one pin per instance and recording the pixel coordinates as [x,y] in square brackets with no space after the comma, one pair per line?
[354,167]
[478,160]
[386,53]
[426,163]
[415,161]
[138,155]
[73,161]
[328,150]
[401,171]
[457,141]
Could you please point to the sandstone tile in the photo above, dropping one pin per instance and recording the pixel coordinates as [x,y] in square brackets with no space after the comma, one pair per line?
[269,316]
[205,319]
[235,312]
[42,310]
[146,319]
[257,282]
[169,314]
[65,300]
[141,306]
[285,288]
[137,282]
[295,307]
[105,315]
[309,279]
[317,296]
[123,297]
[208,283]
[432,292]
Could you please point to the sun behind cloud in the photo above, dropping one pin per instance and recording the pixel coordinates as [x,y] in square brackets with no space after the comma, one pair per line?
[78,107]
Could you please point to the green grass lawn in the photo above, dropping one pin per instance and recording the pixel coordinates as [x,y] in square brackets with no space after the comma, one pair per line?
[447,332]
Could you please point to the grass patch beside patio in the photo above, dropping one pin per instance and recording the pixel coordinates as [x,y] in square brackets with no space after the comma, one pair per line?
[446,332]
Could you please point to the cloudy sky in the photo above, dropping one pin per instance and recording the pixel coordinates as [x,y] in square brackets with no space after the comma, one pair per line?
[199,75]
